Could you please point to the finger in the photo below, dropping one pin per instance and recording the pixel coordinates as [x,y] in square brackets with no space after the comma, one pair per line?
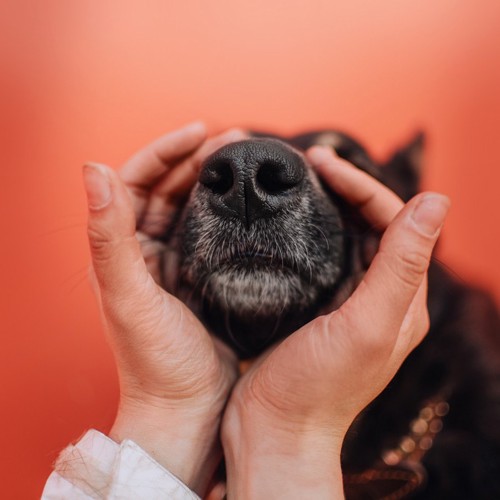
[116,254]
[154,253]
[165,199]
[173,189]
[400,266]
[93,283]
[137,311]
[376,202]
[415,327]
[178,183]
[148,165]
[144,168]
[217,142]
[416,322]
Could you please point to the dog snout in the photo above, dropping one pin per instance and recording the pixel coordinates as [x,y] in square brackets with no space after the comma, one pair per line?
[252,179]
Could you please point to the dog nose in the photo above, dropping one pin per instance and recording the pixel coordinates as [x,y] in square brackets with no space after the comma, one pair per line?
[252,179]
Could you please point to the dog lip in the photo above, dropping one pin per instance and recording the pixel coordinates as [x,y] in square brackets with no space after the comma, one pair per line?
[257,258]
[257,255]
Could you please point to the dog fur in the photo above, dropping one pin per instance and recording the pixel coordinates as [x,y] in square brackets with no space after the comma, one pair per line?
[254,283]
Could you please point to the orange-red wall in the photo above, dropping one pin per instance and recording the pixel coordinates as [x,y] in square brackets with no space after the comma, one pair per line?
[96,80]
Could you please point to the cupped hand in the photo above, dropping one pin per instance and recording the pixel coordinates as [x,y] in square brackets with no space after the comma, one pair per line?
[289,414]
[174,378]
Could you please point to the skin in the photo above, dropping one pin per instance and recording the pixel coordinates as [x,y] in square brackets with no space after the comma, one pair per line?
[280,420]
[174,378]
[285,419]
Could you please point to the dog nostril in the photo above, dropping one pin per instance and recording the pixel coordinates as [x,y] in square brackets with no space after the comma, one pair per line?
[252,179]
[275,177]
[218,176]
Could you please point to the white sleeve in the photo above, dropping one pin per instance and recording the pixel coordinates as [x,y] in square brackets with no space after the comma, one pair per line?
[98,468]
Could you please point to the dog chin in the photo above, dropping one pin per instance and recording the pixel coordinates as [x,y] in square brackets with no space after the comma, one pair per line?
[259,292]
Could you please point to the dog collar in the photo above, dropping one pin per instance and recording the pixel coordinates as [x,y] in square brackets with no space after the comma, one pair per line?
[399,471]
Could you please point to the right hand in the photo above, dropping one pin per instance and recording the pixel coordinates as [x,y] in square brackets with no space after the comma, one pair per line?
[288,415]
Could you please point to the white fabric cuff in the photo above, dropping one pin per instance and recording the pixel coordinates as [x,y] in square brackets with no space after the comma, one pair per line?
[97,467]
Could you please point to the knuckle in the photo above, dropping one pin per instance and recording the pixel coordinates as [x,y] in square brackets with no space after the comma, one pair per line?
[104,245]
[411,266]
[98,240]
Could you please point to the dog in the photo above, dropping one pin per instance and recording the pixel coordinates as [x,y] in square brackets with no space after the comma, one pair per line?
[263,241]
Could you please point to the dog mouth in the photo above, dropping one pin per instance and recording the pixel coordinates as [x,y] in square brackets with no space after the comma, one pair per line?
[252,296]
[256,256]
[249,282]
[248,260]
[262,251]
[251,302]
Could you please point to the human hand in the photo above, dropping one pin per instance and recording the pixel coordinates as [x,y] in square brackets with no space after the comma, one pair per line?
[174,378]
[159,179]
[287,417]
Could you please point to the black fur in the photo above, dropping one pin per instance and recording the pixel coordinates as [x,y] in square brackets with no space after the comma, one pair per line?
[459,360]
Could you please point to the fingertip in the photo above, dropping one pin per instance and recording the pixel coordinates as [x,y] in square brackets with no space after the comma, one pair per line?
[96,180]
[108,201]
[196,128]
[429,213]
[217,142]
[182,140]
[321,155]
[233,135]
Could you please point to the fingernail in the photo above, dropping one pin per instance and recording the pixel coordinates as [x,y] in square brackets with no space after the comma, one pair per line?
[97,186]
[430,213]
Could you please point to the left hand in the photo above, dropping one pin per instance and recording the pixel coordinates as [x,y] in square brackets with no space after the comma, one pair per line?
[174,377]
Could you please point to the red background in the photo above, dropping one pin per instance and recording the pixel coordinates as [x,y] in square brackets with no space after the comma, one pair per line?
[96,80]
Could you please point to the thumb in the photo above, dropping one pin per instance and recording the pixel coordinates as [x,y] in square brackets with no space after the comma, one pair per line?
[401,264]
[116,254]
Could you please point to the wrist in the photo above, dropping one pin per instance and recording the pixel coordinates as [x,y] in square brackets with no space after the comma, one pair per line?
[183,441]
[267,458]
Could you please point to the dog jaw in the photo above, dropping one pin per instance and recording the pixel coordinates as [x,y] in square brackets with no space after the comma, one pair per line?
[255,284]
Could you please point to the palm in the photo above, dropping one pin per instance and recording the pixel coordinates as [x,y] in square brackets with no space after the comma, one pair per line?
[157,178]
[341,361]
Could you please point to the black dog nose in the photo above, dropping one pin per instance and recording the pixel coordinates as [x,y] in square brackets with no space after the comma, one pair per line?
[252,179]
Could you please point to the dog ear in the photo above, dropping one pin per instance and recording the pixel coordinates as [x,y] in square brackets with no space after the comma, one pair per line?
[403,172]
